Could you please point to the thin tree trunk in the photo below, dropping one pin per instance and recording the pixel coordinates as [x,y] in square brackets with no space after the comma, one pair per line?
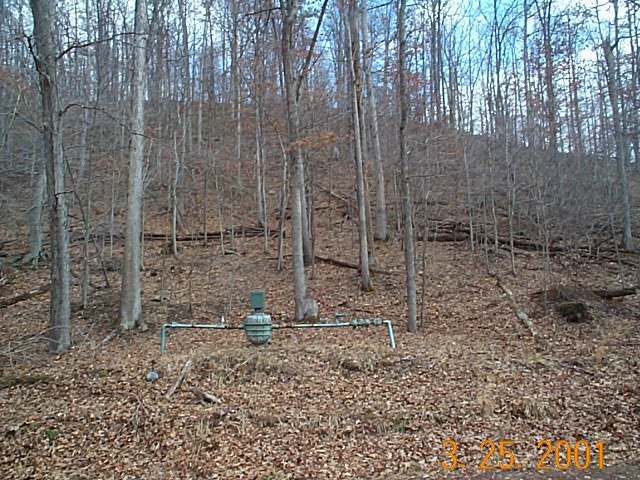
[45,60]
[289,13]
[621,150]
[130,300]
[86,270]
[186,79]
[38,189]
[174,196]
[381,202]
[544,17]
[353,58]
[409,245]
[205,204]
[259,169]
[235,85]
[284,200]
[307,246]
[470,211]
[511,203]
[218,204]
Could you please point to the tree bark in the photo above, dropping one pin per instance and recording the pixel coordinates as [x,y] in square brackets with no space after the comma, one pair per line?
[130,301]
[621,150]
[39,181]
[381,202]
[550,105]
[45,60]
[409,245]
[289,12]
[353,50]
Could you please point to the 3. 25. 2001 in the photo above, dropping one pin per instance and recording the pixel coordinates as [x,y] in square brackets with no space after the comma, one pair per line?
[560,455]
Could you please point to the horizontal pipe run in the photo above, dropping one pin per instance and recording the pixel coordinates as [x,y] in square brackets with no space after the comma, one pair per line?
[313,325]
[223,326]
[198,325]
[353,324]
[214,326]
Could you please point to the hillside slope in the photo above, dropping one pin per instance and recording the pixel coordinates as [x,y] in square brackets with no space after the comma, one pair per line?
[317,403]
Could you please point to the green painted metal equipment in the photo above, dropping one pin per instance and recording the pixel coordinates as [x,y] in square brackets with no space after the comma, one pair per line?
[257,300]
[258,325]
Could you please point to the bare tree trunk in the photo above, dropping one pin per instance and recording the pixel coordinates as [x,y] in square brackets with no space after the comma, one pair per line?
[235,85]
[471,213]
[621,150]
[86,269]
[130,301]
[260,171]
[511,202]
[289,13]
[409,245]
[544,16]
[186,79]
[39,182]
[307,245]
[216,185]
[576,140]
[284,200]
[353,58]
[261,167]
[174,195]
[634,114]
[485,221]
[205,204]
[45,60]
[381,202]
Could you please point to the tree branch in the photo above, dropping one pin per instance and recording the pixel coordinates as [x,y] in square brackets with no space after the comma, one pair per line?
[311,49]
[76,46]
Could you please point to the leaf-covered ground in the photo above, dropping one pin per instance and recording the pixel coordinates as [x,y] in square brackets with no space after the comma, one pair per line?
[317,403]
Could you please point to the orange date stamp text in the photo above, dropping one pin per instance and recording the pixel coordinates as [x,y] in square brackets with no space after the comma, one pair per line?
[558,455]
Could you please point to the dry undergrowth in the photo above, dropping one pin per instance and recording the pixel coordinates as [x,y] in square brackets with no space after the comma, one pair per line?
[315,404]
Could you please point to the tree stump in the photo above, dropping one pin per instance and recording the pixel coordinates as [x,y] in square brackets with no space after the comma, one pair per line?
[573,311]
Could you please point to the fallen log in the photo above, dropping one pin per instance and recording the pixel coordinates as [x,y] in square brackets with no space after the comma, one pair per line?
[609,294]
[247,232]
[453,231]
[445,236]
[337,263]
[353,266]
[519,312]
[24,296]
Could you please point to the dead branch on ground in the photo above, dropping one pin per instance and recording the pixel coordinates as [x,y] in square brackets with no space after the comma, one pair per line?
[24,296]
[204,397]
[181,377]
[519,312]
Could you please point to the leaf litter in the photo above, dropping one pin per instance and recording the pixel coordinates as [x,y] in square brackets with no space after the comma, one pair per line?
[315,403]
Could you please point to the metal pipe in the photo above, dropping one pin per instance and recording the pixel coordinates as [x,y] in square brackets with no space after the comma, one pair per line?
[392,338]
[166,326]
[313,325]
[376,322]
